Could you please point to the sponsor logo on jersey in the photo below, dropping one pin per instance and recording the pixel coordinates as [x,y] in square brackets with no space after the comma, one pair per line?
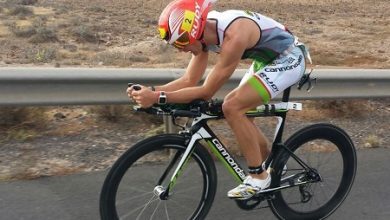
[284,68]
[290,60]
[269,82]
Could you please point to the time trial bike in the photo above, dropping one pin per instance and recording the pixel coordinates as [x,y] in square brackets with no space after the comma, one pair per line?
[173,176]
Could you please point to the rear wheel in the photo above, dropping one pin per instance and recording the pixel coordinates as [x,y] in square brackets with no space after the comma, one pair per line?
[331,156]
[131,189]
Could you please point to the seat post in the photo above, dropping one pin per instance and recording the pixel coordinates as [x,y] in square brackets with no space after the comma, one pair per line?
[286,94]
[278,138]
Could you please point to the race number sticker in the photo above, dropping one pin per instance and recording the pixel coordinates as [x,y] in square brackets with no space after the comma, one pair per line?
[188,21]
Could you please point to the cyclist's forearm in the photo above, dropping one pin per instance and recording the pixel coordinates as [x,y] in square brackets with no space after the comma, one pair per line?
[214,81]
[176,85]
[188,94]
[191,77]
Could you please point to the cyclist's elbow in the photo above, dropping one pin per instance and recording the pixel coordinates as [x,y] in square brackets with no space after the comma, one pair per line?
[207,93]
[189,82]
[207,97]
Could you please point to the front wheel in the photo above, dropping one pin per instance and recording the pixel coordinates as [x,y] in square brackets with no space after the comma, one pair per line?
[321,187]
[131,189]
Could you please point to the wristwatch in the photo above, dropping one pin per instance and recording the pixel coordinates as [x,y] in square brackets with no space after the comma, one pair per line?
[162,99]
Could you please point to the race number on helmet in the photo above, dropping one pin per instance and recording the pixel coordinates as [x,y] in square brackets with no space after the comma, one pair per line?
[182,21]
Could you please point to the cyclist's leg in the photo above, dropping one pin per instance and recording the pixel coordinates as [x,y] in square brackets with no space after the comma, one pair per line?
[266,82]
[270,80]
[236,104]
[262,140]
[263,143]
[280,74]
[283,72]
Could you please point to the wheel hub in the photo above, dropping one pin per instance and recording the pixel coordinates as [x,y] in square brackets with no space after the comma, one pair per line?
[161,192]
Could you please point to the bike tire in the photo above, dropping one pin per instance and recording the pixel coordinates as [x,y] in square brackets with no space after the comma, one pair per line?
[133,175]
[326,142]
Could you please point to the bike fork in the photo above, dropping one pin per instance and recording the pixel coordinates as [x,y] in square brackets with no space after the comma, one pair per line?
[160,190]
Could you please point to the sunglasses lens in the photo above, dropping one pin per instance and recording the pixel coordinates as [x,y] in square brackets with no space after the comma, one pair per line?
[182,41]
[178,46]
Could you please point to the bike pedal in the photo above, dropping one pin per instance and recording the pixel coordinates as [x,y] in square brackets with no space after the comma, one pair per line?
[248,204]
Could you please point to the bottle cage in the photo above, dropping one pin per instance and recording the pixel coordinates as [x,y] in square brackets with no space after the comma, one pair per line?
[306,79]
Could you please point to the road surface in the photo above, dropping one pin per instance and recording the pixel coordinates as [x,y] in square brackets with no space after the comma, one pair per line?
[76,197]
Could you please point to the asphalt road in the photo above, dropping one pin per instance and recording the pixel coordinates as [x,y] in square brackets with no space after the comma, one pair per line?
[76,196]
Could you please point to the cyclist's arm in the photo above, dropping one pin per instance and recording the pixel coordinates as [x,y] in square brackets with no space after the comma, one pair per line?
[232,49]
[230,56]
[191,77]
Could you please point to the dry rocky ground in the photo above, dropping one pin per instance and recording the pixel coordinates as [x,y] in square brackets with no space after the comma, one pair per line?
[62,140]
[347,33]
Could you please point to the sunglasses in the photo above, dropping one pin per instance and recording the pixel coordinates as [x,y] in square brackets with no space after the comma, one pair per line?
[180,43]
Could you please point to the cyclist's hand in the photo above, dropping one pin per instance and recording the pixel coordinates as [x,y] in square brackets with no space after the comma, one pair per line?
[130,88]
[144,97]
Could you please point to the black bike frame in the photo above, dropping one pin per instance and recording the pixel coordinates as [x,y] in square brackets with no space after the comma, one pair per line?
[221,152]
[201,131]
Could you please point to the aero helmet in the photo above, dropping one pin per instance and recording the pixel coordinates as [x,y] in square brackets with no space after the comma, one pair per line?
[182,22]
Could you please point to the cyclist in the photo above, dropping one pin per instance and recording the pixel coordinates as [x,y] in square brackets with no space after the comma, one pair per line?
[278,62]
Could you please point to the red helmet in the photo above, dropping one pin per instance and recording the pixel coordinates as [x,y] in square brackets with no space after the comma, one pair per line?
[182,22]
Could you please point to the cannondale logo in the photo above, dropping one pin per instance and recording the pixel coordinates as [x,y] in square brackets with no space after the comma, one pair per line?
[229,158]
[285,68]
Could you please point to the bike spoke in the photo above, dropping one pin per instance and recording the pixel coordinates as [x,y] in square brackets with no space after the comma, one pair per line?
[187,189]
[134,210]
[123,201]
[154,212]
[166,210]
[180,205]
[146,205]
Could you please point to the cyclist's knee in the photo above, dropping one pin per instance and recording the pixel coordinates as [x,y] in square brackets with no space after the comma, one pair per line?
[231,108]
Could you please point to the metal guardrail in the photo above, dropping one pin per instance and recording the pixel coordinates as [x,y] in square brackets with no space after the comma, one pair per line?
[86,86]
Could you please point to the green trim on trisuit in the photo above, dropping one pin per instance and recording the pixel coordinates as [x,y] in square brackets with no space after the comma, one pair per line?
[256,85]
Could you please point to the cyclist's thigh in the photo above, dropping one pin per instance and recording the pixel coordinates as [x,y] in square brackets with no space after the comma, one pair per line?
[256,66]
[283,72]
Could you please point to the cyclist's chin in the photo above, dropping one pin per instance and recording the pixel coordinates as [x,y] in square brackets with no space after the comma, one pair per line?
[195,52]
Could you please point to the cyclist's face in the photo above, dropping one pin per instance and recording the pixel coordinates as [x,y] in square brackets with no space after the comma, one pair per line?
[194,48]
